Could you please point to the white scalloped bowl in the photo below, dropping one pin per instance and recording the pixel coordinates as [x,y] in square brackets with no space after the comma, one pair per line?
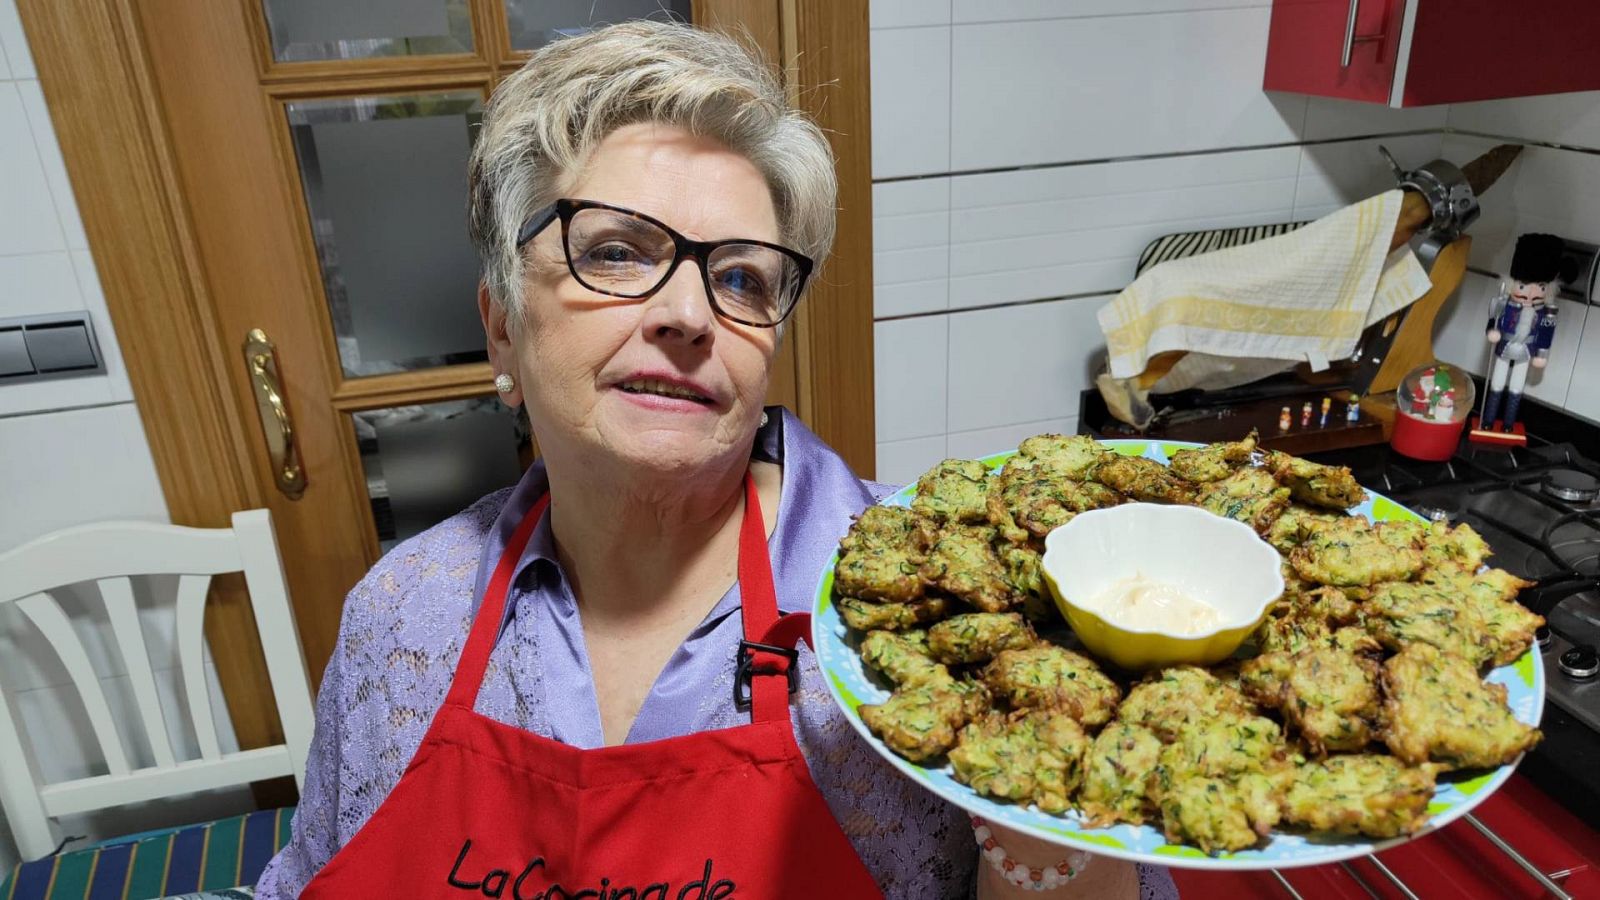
[1215,560]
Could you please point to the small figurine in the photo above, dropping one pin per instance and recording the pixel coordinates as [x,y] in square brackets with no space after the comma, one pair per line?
[1283,420]
[1433,397]
[1305,415]
[1522,325]
[1352,411]
[1327,404]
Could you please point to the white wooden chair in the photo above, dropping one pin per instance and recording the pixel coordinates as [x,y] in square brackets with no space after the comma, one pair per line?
[109,554]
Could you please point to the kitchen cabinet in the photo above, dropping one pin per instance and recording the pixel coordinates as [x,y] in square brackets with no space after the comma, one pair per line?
[1424,52]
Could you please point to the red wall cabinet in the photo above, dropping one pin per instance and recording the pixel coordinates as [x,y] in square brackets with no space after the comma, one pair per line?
[1422,52]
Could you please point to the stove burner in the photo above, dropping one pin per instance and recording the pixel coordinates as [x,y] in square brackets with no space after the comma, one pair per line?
[1580,663]
[1571,486]
[1542,636]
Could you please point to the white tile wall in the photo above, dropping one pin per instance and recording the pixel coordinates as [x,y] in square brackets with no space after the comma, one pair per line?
[910,247]
[28,222]
[14,42]
[1569,119]
[55,168]
[910,394]
[1021,363]
[910,101]
[969,11]
[907,13]
[984,441]
[901,462]
[1048,91]
[1327,117]
[1584,395]
[1334,175]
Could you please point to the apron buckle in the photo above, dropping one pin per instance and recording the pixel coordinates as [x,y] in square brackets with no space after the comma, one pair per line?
[748,668]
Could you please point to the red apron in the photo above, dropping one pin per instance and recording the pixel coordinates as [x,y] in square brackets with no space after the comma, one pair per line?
[488,809]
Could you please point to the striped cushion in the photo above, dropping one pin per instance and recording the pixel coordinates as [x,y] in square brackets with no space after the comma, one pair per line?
[1192,243]
[218,855]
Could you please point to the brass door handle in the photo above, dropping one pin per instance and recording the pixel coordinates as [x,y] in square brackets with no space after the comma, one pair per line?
[261,359]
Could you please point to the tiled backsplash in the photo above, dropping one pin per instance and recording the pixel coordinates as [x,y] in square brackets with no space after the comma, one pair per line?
[1026,151]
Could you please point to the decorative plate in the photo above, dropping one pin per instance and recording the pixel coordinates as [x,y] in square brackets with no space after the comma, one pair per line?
[1457,793]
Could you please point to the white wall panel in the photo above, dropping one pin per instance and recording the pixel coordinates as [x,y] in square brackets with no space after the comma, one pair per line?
[1583,397]
[984,441]
[28,222]
[1328,117]
[1114,86]
[19,59]
[910,101]
[1022,363]
[910,247]
[970,11]
[907,13]
[1570,119]
[1337,174]
[912,361]
[55,167]
[902,462]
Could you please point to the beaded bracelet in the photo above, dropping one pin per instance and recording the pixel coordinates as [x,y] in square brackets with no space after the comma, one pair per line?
[1023,876]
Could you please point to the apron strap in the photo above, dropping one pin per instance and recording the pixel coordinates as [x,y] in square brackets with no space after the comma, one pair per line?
[767,661]
[491,612]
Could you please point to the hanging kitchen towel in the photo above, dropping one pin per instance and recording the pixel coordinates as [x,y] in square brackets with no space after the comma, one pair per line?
[1301,296]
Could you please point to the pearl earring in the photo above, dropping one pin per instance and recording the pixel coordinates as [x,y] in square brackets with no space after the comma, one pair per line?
[504,383]
[763,420]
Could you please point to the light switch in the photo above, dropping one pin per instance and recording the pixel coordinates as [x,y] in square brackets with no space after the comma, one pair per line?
[14,358]
[60,348]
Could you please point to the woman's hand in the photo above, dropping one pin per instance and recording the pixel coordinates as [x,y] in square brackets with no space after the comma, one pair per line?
[1103,877]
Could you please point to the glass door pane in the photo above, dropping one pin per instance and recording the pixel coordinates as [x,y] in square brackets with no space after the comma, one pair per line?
[427,462]
[385,182]
[357,29]
[534,23]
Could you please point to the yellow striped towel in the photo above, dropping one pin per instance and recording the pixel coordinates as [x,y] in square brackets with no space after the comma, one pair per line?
[1302,296]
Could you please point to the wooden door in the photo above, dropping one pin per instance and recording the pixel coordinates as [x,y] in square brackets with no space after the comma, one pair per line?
[275,191]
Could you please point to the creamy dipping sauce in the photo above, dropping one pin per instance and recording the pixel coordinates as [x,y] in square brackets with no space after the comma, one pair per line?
[1149,605]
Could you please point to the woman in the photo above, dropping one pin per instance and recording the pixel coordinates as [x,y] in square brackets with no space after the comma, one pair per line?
[648,211]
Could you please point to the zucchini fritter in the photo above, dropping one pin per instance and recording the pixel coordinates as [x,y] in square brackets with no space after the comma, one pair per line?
[1351,552]
[1445,550]
[963,563]
[1218,783]
[1402,613]
[1330,696]
[1172,698]
[1028,500]
[1045,675]
[881,556]
[1213,462]
[1251,496]
[902,658]
[1296,523]
[1116,775]
[977,637]
[1320,617]
[1366,793]
[1143,479]
[1031,756]
[869,615]
[1074,457]
[1437,708]
[1491,594]
[1332,487]
[956,490]
[920,723]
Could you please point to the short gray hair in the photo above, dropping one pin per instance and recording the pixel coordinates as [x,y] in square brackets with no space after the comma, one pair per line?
[545,120]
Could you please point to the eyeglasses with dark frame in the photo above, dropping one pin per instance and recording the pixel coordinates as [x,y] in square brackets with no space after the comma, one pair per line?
[619,252]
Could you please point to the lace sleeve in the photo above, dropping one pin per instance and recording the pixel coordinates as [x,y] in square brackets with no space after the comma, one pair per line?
[315,835]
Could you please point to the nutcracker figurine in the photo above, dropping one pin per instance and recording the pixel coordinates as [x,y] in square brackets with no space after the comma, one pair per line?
[1522,325]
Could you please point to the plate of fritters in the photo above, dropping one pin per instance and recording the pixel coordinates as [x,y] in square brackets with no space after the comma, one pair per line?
[1391,689]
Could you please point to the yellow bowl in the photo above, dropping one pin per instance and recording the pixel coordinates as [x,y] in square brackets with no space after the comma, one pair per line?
[1215,560]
